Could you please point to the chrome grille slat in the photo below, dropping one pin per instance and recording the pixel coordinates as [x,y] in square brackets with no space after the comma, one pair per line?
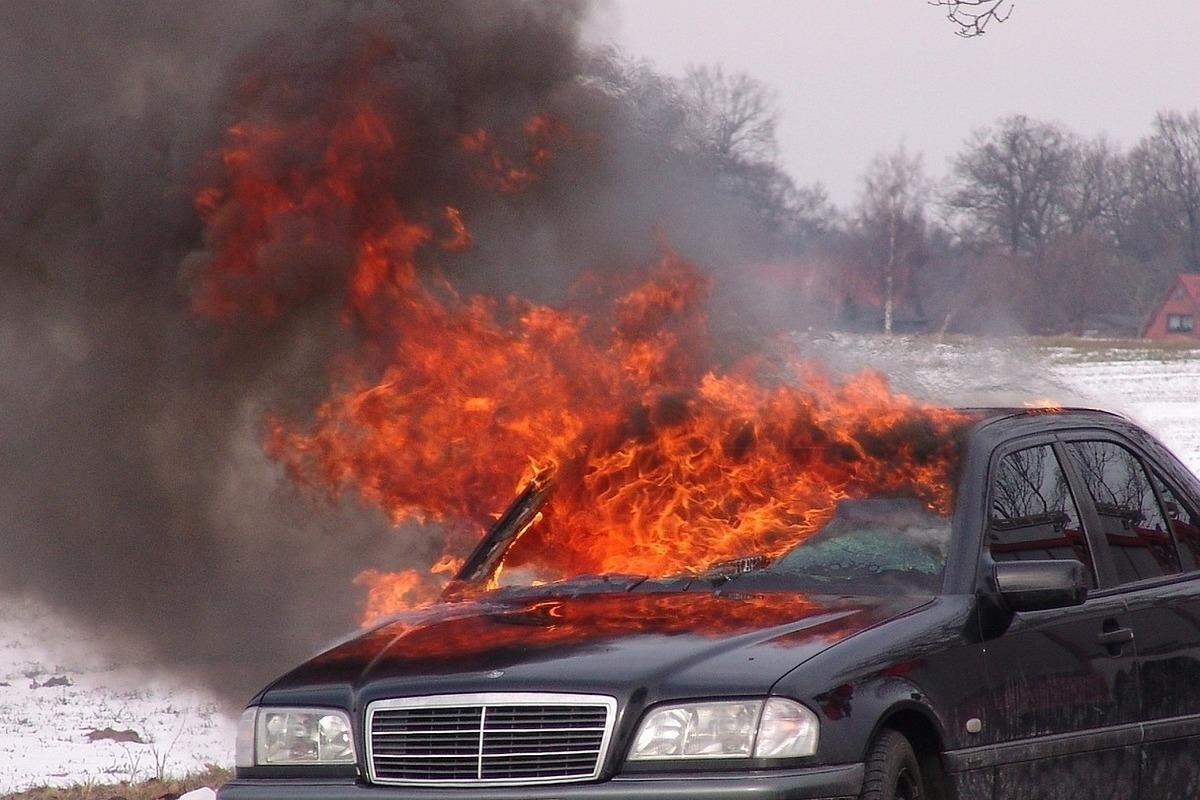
[483,739]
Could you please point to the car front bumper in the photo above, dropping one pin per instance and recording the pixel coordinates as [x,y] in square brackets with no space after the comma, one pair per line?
[842,782]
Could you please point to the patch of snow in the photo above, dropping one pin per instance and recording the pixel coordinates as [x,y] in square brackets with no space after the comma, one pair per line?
[1156,387]
[1159,393]
[69,714]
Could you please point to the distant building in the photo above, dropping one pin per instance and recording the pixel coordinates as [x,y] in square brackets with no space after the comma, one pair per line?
[1176,316]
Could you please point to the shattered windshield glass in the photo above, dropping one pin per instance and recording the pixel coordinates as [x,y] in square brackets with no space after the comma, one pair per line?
[875,544]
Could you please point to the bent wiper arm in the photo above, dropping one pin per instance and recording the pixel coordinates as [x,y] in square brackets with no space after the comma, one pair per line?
[519,515]
[735,566]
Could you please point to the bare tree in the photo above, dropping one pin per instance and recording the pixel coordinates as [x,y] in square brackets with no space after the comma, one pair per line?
[892,220]
[813,214]
[655,104]
[1166,176]
[736,114]
[732,119]
[1098,192]
[1086,278]
[973,16]
[1012,183]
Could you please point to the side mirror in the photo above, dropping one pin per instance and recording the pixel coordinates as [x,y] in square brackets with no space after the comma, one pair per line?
[1041,585]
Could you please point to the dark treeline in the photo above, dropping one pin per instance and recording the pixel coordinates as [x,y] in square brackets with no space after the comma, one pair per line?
[1035,229]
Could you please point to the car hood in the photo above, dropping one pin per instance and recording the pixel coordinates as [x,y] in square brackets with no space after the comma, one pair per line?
[678,642]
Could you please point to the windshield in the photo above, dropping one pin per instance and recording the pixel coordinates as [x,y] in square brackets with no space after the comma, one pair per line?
[821,519]
[875,545]
[868,546]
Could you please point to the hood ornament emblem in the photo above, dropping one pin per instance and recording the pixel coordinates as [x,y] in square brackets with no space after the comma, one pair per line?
[496,673]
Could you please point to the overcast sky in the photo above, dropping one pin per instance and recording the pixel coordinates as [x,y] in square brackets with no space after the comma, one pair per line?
[857,78]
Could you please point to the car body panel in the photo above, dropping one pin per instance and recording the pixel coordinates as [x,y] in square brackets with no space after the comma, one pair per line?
[651,645]
[842,782]
[1055,687]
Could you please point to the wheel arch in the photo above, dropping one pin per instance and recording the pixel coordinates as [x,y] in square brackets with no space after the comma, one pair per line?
[925,735]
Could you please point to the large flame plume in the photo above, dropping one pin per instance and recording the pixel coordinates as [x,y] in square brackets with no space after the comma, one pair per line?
[664,462]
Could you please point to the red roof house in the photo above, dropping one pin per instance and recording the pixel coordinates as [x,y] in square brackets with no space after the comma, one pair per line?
[1176,316]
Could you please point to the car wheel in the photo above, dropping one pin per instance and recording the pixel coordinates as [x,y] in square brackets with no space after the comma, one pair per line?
[893,772]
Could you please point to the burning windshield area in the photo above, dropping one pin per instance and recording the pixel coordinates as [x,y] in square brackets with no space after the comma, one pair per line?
[821,528]
[659,457]
[659,480]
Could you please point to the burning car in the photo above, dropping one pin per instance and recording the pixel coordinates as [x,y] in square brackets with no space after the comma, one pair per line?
[1018,618]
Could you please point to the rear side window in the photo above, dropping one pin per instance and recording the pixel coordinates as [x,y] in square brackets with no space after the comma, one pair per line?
[1033,514]
[1185,524]
[1134,527]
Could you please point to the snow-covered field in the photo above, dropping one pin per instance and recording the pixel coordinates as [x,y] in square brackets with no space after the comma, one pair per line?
[70,712]
[1157,386]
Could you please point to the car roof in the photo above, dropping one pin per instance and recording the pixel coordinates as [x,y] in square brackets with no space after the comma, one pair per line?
[1009,422]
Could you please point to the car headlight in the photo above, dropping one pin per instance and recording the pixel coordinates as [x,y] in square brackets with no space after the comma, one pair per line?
[285,736]
[773,728]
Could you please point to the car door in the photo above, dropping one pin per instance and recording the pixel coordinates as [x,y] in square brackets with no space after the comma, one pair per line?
[1152,533]
[1064,702]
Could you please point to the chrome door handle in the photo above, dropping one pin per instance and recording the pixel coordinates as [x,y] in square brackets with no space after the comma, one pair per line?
[1115,638]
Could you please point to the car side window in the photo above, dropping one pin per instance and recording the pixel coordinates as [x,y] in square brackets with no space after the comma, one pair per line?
[1134,527]
[1033,514]
[1185,523]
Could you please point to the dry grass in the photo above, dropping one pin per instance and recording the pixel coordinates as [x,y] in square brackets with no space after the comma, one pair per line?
[149,790]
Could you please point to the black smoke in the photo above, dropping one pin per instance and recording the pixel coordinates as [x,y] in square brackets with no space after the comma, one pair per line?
[135,496]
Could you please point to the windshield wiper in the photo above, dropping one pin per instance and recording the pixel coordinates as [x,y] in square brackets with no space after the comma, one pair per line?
[724,570]
[519,515]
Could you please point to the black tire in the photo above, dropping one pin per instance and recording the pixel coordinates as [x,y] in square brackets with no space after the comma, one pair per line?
[893,771]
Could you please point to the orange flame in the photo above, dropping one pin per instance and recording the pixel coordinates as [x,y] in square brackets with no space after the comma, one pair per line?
[665,464]
[496,169]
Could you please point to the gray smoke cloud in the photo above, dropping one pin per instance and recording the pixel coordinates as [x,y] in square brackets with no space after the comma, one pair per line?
[136,497]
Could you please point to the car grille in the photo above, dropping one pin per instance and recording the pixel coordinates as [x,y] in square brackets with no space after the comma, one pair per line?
[488,739]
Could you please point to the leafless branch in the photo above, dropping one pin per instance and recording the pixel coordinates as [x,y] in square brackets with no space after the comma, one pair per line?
[973,16]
